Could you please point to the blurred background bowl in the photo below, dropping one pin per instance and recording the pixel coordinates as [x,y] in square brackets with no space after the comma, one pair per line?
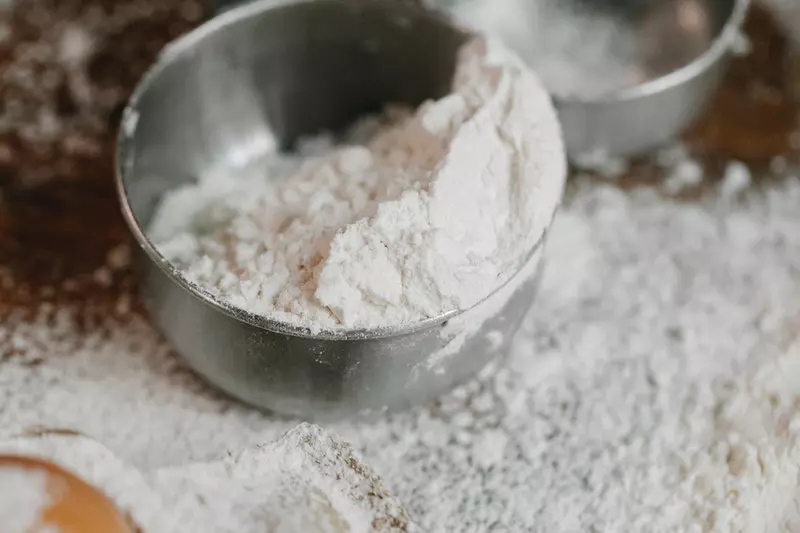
[627,75]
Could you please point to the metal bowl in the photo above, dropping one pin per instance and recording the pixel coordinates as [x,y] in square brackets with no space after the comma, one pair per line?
[682,79]
[294,67]
[681,49]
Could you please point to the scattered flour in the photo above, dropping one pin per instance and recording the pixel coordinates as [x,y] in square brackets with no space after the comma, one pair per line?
[736,180]
[24,494]
[305,481]
[601,163]
[654,387]
[436,211]
[779,166]
[679,170]
[747,479]
[76,47]
[683,174]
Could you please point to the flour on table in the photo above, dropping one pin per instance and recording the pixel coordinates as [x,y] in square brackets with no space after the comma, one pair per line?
[435,211]
[601,163]
[684,174]
[679,169]
[747,479]
[654,376]
[650,311]
[737,179]
[306,481]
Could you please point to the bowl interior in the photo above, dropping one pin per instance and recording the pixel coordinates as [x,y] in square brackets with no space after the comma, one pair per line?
[591,49]
[270,72]
[673,33]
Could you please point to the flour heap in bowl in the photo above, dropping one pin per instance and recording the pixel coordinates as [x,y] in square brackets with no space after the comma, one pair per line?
[436,210]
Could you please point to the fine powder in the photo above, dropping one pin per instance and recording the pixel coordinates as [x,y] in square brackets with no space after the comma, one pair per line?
[24,495]
[433,213]
[307,481]
[653,388]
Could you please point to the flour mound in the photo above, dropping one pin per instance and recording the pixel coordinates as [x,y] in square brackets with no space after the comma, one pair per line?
[431,214]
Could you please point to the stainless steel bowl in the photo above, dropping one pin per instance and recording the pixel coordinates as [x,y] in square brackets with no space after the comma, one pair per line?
[693,52]
[294,67]
[682,49]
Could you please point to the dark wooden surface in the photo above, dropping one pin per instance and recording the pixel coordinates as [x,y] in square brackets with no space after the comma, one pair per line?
[59,216]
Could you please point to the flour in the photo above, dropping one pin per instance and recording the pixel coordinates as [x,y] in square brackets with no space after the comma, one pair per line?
[438,209]
[736,180]
[684,174]
[679,170]
[607,428]
[306,481]
[587,425]
[601,163]
[748,478]
[24,496]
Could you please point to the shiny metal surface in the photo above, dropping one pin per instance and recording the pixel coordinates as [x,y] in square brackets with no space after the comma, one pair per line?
[684,49]
[295,67]
[674,51]
[218,6]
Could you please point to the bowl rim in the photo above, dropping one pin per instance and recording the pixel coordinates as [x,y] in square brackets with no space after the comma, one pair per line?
[719,47]
[171,52]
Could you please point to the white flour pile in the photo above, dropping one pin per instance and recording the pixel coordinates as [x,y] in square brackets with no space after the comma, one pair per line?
[432,214]
[654,387]
[307,481]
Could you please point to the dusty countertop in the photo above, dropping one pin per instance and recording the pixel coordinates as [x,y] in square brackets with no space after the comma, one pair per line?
[651,388]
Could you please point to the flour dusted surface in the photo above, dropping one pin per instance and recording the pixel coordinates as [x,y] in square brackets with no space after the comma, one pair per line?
[307,481]
[435,211]
[654,379]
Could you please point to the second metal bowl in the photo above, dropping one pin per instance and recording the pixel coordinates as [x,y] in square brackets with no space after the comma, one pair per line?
[640,118]
[680,49]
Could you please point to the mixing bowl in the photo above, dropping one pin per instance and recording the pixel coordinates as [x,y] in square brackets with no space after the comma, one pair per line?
[692,42]
[213,100]
[675,50]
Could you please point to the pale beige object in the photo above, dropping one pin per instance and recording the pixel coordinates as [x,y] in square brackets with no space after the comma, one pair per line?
[75,506]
